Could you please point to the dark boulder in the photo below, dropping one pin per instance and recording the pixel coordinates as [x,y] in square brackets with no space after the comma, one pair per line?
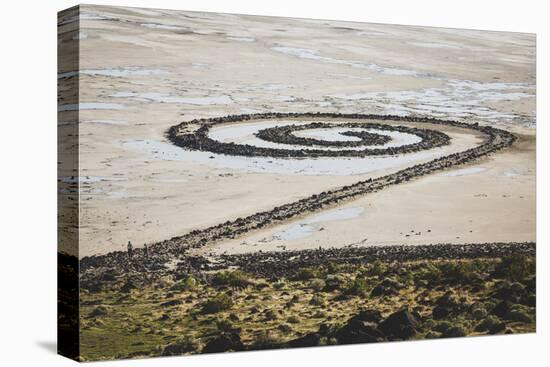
[308,340]
[357,331]
[440,312]
[224,343]
[509,293]
[498,328]
[455,332]
[127,286]
[502,309]
[387,287]
[446,305]
[399,325]
[531,286]
[98,312]
[369,316]
[332,284]
[92,286]
[178,348]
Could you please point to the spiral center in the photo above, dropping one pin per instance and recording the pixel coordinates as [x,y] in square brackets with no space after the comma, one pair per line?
[301,139]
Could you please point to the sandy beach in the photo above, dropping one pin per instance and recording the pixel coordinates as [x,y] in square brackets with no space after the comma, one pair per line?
[143,71]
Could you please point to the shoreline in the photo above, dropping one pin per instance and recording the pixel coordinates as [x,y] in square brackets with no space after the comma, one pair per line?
[285,264]
[164,251]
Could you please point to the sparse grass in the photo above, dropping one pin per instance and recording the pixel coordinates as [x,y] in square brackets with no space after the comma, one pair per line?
[122,325]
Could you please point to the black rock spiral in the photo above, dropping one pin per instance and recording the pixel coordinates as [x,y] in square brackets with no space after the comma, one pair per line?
[195,135]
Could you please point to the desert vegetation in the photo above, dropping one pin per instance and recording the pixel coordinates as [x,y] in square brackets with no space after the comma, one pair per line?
[231,310]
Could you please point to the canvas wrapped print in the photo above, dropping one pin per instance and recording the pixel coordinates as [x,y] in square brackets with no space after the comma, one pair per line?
[235,183]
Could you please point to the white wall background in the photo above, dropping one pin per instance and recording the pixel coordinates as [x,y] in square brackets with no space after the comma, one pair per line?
[28,182]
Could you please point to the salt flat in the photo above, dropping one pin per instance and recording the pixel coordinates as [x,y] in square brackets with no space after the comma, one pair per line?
[143,71]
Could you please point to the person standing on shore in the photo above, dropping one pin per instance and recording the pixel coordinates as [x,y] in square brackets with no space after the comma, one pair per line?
[145,250]
[130,250]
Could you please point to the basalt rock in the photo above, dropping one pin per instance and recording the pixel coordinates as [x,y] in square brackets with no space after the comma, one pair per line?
[308,340]
[161,253]
[502,309]
[357,331]
[510,292]
[446,305]
[178,348]
[399,325]
[224,343]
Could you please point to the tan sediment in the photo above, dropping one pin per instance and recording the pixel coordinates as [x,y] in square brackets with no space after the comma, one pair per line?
[496,204]
[169,198]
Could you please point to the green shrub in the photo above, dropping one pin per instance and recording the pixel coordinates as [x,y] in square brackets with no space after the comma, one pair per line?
[333,282]
[317,284]
[520,316]
[430,324]
[442,326]
[387,287]
[184,284]
[182,346]
[295,299]
[285,328]
[306,274]
[479,313]
[224,325]
[261,285]
[281,284]
[520,313]
[98,311]
[487,323]
[358,287]
[455,332]
[128,286]
[293,319]
[236,279]
[460,272]
[376,268]
[332,267]
[432,335]
[271,315]
[267,339]
[429,273]
[515,267]
[317,300]
[319,315]
[219,303]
